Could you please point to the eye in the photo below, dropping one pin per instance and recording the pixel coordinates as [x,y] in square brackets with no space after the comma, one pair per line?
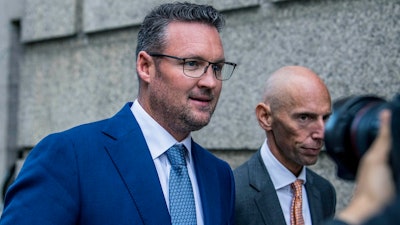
[326,118]
[217,67]
[192,64]
[304,117]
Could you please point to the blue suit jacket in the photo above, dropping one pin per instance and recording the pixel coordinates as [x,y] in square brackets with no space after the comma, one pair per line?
[103,173]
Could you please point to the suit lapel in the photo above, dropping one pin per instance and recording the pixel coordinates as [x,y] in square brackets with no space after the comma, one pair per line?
[314,200]
[128,150]
[267,200]
[205,178]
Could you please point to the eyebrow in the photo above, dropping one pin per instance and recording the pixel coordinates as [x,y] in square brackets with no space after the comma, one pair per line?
[221,60]
[312,114]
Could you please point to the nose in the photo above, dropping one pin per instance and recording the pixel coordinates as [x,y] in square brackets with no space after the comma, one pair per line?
[208,79]
[318,129]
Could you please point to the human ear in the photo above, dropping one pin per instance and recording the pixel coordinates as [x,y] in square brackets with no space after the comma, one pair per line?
[263,113]
[145,66]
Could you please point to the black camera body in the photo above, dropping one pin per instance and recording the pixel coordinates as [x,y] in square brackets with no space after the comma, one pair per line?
[353,127]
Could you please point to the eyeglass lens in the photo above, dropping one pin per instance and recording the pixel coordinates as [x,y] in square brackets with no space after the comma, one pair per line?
[196,68]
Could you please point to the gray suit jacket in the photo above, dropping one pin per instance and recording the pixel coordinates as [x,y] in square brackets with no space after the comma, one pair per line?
[257,202]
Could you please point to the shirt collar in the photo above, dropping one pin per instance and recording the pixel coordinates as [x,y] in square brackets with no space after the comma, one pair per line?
[157,138]
[280,175]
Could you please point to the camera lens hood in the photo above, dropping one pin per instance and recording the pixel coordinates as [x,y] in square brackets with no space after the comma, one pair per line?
[348,129]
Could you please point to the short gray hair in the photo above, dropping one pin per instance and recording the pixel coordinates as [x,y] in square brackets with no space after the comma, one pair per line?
[151,37]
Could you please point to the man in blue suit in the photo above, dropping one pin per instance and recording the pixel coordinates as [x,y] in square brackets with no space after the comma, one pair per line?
[116,171]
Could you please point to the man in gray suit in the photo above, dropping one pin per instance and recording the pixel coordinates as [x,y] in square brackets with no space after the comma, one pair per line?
[293,113]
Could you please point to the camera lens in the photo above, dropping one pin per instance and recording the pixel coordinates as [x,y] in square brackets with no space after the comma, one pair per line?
[350,131]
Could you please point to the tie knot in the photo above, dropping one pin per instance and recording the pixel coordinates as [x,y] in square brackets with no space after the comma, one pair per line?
[296,186]
[176,155]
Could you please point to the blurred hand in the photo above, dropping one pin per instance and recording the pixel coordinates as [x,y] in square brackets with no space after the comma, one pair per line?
[374,184]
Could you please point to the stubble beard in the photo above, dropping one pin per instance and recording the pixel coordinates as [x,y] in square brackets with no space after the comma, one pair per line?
[180,119]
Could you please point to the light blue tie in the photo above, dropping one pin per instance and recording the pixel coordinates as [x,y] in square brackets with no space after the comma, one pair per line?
[181,201]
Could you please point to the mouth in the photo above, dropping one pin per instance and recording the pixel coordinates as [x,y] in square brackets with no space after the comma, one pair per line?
[202,99]
[311,150]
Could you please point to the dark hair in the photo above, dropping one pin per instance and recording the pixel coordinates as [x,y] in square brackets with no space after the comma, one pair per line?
[151,35]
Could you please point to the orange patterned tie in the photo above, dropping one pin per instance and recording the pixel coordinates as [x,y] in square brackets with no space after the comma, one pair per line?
[296,215]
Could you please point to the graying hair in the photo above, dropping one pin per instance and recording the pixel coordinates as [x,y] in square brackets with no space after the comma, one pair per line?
[151,37]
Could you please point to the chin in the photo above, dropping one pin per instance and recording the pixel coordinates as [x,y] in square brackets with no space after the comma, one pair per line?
[197,124]
[312,161]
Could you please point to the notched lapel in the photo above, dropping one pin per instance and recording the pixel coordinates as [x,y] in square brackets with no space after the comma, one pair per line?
[314,200]
[130,155]
[266,200]
[205,178]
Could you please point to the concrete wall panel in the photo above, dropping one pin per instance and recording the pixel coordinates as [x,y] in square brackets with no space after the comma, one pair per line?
[111,14]
[47,19]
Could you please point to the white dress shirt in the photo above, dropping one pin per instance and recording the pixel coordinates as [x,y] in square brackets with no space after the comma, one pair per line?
[282,178]
[159,141]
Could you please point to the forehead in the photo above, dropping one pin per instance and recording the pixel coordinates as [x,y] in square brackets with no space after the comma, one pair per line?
[187,39]
[309,101]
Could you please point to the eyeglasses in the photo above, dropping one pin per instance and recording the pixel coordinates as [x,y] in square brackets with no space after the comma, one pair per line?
[195,68]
